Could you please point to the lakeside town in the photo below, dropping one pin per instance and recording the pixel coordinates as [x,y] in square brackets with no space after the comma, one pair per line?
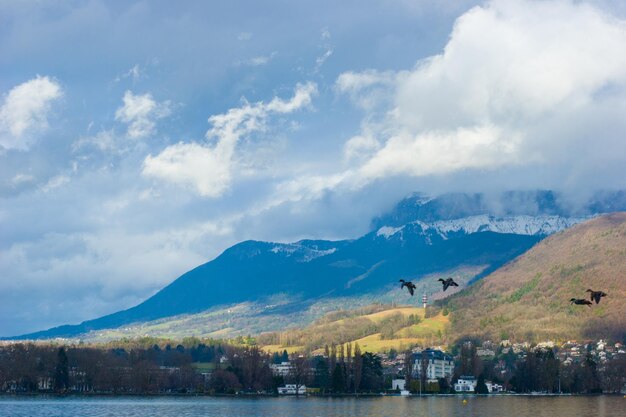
[209,367]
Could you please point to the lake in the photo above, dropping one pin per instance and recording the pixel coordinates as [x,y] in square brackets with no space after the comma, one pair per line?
[518,406]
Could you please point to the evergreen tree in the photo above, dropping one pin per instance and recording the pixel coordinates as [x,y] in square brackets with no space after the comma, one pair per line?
[424,362]
[408,368]
[392,353]
[349,369]
[589,375]
[469,363]
[61,372]
[321,377]
[372,379]
[481,387]
[338,382]
[358,367]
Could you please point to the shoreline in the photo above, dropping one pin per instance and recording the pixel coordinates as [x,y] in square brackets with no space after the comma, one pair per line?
[249,395]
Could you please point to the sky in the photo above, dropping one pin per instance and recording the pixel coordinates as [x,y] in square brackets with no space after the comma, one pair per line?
[139,139]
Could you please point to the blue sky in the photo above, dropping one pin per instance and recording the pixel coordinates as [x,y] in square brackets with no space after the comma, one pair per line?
[140,139]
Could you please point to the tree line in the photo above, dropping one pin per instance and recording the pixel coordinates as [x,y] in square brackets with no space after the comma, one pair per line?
[219,368]
[215,367]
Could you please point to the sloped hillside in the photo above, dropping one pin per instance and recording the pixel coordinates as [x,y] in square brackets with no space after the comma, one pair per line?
[377,328]
[528,299]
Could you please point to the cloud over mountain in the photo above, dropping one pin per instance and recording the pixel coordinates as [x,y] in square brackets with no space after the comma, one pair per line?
[532,84]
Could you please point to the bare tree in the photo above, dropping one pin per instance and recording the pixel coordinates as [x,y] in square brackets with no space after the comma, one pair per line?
[300,371]
[358,367]
[408,368]
[423,370]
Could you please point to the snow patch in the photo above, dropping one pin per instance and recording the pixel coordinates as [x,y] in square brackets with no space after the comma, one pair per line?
[306,253]
[519,225]
[387,231]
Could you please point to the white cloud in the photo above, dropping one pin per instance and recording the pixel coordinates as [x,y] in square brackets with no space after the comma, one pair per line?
[25,111]
[441,152]
[134,73]
[258,61]
[369,89]
[55,182]
[519,83]
[205,169]
[355,82]
[19,179]
[320,60]
[105,140]
[140,112]
[327,47]
[208,169]
[360,147]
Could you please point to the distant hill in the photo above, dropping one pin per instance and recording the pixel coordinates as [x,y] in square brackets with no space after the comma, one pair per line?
[528,299]
[467,236]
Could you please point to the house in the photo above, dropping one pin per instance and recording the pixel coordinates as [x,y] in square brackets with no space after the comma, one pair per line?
[440,364]
[466,384]
[45,383]
[493,387]
[290,389]
[398,384]
[281,369]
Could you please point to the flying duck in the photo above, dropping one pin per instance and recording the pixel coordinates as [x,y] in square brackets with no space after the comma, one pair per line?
[596,295]
[409,286]
[447,283]
[580,301]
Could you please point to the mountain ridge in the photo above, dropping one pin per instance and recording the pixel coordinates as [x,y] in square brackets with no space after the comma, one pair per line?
[315,268]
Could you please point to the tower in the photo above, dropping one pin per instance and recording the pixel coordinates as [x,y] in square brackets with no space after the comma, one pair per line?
[424,300]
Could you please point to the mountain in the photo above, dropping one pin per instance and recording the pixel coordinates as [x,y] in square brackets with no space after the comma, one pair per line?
[454,234]
[419,207]
[528,299]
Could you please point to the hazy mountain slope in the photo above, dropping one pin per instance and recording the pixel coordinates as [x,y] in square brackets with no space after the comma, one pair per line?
[253,270]
[529,297]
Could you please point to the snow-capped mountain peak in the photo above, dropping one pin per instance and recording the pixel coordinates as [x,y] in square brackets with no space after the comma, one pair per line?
[519,225]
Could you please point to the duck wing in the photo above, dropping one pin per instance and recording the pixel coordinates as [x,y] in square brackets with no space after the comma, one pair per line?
[446,285]
[411,289]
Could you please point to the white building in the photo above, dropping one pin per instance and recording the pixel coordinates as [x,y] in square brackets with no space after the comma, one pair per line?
[281,369]
[466,384]
[440,365]
[398,384]
[290,389]
[493,387]
[45,383]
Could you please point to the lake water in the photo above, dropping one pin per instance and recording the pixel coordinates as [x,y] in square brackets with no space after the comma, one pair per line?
[517,406]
